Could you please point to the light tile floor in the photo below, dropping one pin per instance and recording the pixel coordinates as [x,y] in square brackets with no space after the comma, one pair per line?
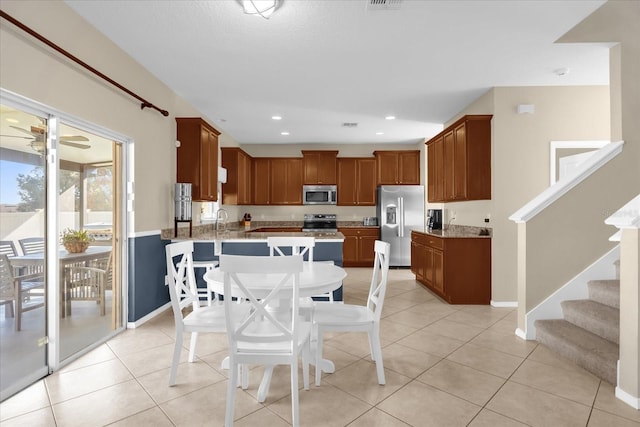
[445,366]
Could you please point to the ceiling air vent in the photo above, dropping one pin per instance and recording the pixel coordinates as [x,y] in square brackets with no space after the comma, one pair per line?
[349,125]
[383,4]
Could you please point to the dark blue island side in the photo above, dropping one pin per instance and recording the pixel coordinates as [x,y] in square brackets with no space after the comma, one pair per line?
[323,251]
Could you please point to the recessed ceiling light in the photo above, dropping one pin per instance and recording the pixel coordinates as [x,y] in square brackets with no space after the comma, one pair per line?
[276,117]
[379,133]
[12,120]
[390,118]
[285,133]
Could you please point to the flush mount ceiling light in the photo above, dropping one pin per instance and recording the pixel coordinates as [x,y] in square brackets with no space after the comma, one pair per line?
[276,117]
[262,8]
[390,118]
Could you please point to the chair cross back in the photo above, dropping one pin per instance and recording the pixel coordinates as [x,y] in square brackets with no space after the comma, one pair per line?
[302,245]
[378,286]
[289,268]
[182,281]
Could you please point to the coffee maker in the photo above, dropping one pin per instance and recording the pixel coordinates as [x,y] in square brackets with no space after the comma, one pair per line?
[434,219]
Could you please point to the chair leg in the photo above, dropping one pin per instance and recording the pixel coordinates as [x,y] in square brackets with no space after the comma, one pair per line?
[244,376]
[374,342]
[231,394]
[306,354]
[295,411]
[263,389]
[177,349]
[318,355]
[192,346]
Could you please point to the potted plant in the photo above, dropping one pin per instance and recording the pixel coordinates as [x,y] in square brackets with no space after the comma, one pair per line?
[75,241]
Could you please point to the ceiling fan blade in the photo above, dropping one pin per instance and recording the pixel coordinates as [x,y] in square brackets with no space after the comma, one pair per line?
[22,130]
[74,138]
[16,136]
[74,145]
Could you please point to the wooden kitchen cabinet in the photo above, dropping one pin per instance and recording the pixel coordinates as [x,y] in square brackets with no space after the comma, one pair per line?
[197,158]
[435,170]
[457,269]
[237,189]
[286,181]
[358,246]
[357,181]
[459,160]
[261,167]
[398,167]
[320,167]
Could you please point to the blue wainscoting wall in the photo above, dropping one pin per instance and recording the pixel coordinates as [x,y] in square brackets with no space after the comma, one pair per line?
[147,291]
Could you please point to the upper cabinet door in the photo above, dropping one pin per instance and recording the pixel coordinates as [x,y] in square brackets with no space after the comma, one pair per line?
[286,181]
[197,157]
[237,189]
[398,167]
[261,180]
[409,167]
[320,167]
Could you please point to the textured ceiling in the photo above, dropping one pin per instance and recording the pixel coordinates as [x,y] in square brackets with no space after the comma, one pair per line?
[319,64]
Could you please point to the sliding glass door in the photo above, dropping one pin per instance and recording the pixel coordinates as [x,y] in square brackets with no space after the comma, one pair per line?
[59,298]
[23,219]
[87,206]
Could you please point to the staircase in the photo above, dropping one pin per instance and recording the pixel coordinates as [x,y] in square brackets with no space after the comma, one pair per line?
[589,334]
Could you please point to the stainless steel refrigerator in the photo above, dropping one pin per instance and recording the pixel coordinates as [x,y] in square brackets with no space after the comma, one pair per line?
[400,209]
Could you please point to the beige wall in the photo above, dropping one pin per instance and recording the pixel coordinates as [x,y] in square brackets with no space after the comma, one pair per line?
[36,72]
[520,159]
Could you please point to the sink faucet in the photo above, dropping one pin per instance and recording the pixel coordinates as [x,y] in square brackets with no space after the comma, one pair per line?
[221,215]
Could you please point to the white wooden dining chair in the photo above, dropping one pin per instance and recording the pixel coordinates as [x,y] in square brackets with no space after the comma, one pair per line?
[265,337]
[357,318]
[296,245]
[190,316]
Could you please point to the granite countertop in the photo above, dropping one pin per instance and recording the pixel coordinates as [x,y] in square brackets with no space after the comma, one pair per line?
[237,232]
[459,231]
[234,233]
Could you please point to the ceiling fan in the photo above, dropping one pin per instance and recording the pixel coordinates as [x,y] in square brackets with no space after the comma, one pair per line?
[37,136]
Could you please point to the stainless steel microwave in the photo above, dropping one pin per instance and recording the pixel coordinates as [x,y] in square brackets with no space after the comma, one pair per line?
[319,195]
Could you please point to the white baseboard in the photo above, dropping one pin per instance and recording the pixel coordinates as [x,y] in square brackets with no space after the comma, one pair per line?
[521,334]
[144,319]
[511,304]
[630,400]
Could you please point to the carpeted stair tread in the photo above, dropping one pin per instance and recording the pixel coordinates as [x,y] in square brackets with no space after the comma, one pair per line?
[590,351]
[597,318]
[605,292]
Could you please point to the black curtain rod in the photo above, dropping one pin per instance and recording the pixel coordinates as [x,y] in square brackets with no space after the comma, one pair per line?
[144,102]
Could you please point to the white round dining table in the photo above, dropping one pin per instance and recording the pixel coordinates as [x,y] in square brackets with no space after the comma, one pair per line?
[316,278]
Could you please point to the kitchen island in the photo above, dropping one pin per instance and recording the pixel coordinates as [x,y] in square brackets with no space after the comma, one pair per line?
[454,263]
[208,245]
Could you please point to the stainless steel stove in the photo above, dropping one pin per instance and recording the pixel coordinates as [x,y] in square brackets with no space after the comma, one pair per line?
[326,223]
